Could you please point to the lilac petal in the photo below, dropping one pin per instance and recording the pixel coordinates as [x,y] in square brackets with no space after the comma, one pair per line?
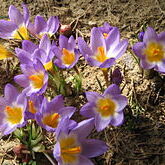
[92,61]
[121,102]
[15,15]
[150,35]
[53,24]
[24,57]
[83,47]
[45,44]
[7,26]
[92,96]
[108,63]
[113,38]
[29,46]
[101,123]
[21,100]
[146,65]
[119,50]
[11,93]
[57,152]
[71,43]
[161,37]
[40,24]
[160,67]
[63,41]
[3,103]
[25,14]
[84,128]
[67,111]
[22,80]
[112,90]
[138,49]
[84,161]
[97,39]
[92,148]
[118,119]
[88,110]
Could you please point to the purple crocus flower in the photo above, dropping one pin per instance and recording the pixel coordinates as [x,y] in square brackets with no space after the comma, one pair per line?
[72,147]
[12,110]
[34,105]
[42,52]
[41,27]
[34,78]
[151,50]
[107,109]
[116,77]
[103,52]
[16,27]
[105,29]
[53,112]
[67,55]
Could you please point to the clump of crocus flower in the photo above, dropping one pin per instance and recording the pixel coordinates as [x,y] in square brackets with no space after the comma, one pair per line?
[16,26]
[12,110]
[73,147]
[151,50]
[67,55]
[107,109]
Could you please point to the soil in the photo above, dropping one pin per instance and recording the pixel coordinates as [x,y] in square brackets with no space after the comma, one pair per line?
[141,139]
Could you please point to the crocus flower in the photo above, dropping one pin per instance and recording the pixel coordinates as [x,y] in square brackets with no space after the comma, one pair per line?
[34,78]
[116,77]
[67,55]
[12,110]
[53,112]
[73,147]
[42,52]
[105,29]
[103,52]
[16,26]
[151,50]
[107,109]
[41,27]
[4,53]
[34,105]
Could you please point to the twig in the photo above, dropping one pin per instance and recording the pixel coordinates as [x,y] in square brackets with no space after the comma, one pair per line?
[49,158]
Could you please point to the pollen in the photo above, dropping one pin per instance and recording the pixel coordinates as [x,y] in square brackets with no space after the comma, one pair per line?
[37,80]
[14,114]
[51,120]
[101,55]
[4,53]
[105,35]
[106,107]
[48,65]
[154,52]
[67,57]
[21,33]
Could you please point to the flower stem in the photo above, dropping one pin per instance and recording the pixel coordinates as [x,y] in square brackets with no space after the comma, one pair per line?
[106,78]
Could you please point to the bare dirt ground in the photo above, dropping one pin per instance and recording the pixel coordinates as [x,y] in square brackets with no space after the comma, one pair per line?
[141,140]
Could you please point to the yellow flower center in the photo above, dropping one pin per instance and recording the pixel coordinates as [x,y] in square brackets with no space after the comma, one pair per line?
[48,65]
[101,55]
[4,53]
[154,52]
[51,120]
[105,35]
[70,149]
[37,80]
[106,107]
[68,57]
[32,108]
[21,33]
[14,114]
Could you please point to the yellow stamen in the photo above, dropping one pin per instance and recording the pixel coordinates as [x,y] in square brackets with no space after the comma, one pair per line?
[32,108]
[4,53]
[51,120]
[105,35]
[154,52]
[68,57]
[70,149]
[106,107]
[14,114]
[21,33]
[48,65]
[101,56]
[37,80]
